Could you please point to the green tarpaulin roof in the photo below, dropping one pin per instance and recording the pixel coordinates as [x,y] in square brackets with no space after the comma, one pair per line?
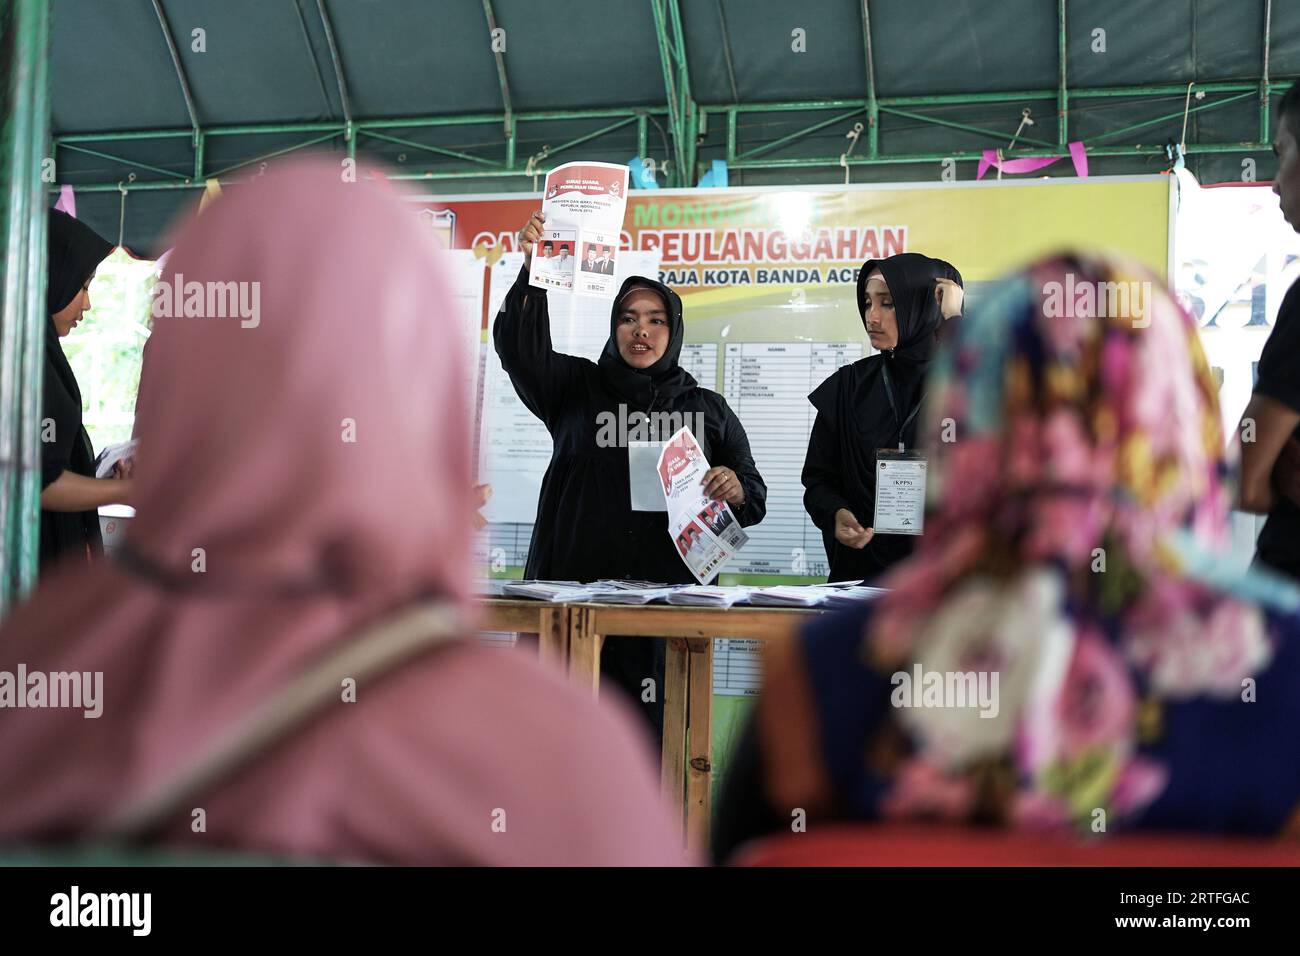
[310,66]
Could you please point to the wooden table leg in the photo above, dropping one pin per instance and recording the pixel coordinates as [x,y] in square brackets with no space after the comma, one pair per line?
[676,694]
[584,650]
[699,766]
[553,638]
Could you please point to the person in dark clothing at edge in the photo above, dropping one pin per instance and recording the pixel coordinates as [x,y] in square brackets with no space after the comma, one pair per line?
[1270,452]
[70,492]
[904,301]
[586,529]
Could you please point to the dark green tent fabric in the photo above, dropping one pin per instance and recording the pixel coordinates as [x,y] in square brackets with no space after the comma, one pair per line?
[268,61]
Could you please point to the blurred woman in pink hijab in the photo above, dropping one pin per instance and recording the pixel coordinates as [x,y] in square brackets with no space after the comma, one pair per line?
[269,637]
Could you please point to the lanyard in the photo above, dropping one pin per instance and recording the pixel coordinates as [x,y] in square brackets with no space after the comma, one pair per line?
[889,393]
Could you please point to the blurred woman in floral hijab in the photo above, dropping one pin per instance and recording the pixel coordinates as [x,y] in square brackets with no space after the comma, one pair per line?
[1064,649]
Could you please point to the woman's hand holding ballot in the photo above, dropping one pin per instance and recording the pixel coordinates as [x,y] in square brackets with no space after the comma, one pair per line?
[721,484]
[529,235]
[849,532]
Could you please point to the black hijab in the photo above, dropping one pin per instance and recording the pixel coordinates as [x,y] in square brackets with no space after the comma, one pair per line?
[75,252]
[855,400]
[911,278]
[644,388]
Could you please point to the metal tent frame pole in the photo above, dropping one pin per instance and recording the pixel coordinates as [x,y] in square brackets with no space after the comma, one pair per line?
[25,93]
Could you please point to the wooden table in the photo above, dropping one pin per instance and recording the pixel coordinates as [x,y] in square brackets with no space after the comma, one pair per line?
[550,622]
[576,632]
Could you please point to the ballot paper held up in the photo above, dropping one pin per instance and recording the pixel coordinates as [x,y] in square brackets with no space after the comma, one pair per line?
[705,532]
[583,206]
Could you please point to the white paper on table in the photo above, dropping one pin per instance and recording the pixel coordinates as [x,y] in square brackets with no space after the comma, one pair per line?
[583,207]
[704,531]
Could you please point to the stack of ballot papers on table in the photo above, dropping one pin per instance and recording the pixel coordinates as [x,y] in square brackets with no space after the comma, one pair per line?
[788,595]
[702,595]
[844,596]
[627,592]
[558,592]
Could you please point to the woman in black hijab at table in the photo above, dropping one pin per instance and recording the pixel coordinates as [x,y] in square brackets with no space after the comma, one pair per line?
[586,529]
[70,492]
[873,404]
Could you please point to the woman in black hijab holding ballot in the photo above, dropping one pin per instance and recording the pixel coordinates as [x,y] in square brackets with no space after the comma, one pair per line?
[70,493]
[867,411]
[586,527]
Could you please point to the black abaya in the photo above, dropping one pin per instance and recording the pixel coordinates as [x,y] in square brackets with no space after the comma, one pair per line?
[75,251]
[585,529]
[855,417]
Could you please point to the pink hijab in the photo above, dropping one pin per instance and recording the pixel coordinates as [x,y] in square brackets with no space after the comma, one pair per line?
[314,460]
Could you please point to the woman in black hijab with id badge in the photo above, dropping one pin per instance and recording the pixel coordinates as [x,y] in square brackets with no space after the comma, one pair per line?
[864,480]
[589,524]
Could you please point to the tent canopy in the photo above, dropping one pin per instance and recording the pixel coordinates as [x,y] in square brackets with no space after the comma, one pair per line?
[175,91]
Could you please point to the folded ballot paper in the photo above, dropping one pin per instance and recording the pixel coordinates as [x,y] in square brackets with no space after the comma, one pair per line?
[558,592]
[705,531]
[788,595]
[699,595]
[562,592]
[627,592]
[844,596]
[839,594]
[111,455]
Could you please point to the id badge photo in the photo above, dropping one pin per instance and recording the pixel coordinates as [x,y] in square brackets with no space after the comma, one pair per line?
[900,492]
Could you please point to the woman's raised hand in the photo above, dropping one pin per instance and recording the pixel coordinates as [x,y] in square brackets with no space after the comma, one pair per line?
[529,235]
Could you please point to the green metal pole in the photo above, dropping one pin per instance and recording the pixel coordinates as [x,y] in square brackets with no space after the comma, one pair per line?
[750,154]
[589,136]
[1168,116]
[123,160]
[873,106]
[964,155]
[1062,94]
[670,89]
[921,117]
[686,108]
[24,92]
[425,147]
[279,152]
[1263,80]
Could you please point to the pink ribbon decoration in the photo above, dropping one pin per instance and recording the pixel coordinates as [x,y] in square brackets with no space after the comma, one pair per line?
[67,201]
[1032,164]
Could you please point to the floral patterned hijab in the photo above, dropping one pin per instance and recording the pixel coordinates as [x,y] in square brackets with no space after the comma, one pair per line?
[1077,495]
